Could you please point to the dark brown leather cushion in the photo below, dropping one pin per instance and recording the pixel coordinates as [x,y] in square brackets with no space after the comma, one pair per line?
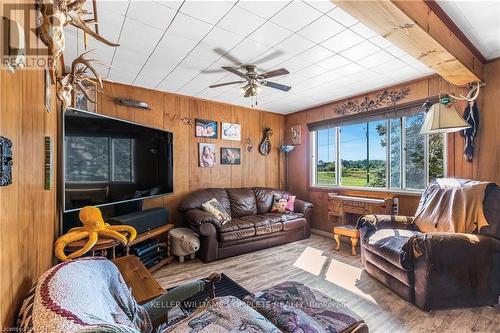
[236,224]
[491,209]
[264,199]
[393,245]
[294,224]
[268,229]
[242,202]
[198,198]
[236,235]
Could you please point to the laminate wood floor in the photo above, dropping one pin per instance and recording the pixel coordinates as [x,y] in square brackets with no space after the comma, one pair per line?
[315,263]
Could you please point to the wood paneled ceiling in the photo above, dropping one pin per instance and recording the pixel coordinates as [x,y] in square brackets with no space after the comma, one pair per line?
[171,46]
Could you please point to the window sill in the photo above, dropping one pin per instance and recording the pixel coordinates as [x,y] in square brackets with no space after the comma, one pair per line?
[365,189]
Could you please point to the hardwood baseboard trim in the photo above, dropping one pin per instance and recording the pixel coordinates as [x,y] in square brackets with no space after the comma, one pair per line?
[322,233]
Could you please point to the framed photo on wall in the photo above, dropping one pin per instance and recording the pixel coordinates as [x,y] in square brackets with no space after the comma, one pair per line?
[230,156]
[207,155]
[231,131]
[205,128]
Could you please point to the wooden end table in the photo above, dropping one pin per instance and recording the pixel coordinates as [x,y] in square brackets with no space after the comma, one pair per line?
[348,231]
[138,278]
[102,246]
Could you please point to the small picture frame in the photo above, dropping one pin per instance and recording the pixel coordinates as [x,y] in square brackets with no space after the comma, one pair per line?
[205,128]
[231,156]
[82,102]
[48,90]
[206,155]
[231,131]
[295,135]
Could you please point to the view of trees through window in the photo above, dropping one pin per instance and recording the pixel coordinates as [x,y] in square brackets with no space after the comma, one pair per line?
[99,159]
[372,154]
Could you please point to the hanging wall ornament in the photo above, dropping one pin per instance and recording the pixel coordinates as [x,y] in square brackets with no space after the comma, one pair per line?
[471,116]
[265,144]
[249,145]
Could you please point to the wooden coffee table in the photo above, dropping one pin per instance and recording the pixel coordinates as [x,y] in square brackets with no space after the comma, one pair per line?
[348,231]
[138,278]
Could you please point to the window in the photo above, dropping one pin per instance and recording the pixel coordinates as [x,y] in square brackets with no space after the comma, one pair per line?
[99,159]
[386,154]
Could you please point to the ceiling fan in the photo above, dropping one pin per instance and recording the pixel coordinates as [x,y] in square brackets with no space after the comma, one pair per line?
[254,80]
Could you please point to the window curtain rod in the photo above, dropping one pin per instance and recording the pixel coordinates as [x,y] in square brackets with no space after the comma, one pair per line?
[405,109]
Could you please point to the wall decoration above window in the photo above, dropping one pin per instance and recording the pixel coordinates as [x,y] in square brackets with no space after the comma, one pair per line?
[231,131]
[206,155]
[265,144]
[205,129]
[295,135]
[383,99]
[230,156]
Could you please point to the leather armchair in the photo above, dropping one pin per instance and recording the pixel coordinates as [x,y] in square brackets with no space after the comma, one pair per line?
[435,270]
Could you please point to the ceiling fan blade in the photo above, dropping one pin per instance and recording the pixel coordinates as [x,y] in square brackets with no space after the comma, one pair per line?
[236,62]
[212,71]
[275,85]
[273,73]
[234,71]
[268,57]
[225,84]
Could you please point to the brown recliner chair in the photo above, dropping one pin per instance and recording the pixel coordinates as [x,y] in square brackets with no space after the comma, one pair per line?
[252,227]
[435,270]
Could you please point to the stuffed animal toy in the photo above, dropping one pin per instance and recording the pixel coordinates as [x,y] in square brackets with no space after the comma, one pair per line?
[184,242]
[93,227]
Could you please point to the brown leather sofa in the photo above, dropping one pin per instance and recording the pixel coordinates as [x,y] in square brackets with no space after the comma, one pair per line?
[252,227]
[435,270]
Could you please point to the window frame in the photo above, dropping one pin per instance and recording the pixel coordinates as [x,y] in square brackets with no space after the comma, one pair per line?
[388,188]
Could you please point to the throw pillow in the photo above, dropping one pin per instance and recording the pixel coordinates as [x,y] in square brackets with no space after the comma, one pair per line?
[283,203]
[215,208]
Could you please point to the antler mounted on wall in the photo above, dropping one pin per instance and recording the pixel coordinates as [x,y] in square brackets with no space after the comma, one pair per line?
[54,17]
[67,84]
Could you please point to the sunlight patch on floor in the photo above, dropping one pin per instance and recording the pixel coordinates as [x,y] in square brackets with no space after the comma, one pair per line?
[311,260]
[346,276]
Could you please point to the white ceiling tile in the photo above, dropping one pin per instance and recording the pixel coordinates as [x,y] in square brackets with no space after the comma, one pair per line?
[295,45]
[208,11]
[376,59]
[342,41]
[126,65]
[348,69]
[315,54]
[241,21]
[322,5]
[151,13]
[188,27]
[115,6]
[110,24]
[221,38]
[270,34]
[205,52]
[321,29]
[151,75]
[139,37]
[333,62]
[389,66]
[342,17]
[361,50]
[363,30]
[247,50]
[294,64]
[265,9]
[381,42]
[327,77]
[296,15]
[395,51]
[311,71]
[172,4]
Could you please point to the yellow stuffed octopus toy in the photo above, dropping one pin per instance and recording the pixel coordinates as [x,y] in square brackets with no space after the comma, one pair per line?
[93,227]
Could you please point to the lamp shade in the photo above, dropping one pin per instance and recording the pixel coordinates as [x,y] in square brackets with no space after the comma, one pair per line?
[443,118]
[287,148]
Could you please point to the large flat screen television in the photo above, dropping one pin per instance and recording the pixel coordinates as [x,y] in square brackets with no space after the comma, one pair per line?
[109,161]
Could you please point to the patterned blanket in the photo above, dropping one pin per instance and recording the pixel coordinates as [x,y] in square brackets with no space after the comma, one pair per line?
[84,295]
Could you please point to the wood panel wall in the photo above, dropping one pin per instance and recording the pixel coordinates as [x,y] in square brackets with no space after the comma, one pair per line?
[28,213]
[166,113]
[485,166]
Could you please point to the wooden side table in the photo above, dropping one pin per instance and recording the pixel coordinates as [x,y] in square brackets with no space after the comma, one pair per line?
[138,278]
[348,231]
[102,246]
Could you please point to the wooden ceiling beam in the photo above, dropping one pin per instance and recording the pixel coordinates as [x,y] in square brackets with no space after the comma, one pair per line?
[417,30]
